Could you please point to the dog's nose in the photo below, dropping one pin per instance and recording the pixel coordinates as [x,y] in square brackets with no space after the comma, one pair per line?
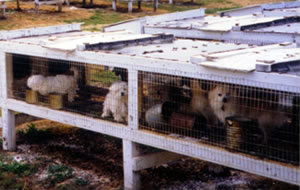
[122,93]
[225,100]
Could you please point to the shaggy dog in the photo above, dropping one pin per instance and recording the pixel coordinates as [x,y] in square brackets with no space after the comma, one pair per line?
[200,105]
[225,102]
[116,102]
[61,84]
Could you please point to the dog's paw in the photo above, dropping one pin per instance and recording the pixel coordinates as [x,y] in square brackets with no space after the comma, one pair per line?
[104,115]
[118,118]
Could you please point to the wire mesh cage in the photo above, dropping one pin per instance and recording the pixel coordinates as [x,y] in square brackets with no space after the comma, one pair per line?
[91,90]
[257,121]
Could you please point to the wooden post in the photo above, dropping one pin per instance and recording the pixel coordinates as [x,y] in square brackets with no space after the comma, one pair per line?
[131,177]
[18,5]
[59,4]
[9,75]
[9,130]
[130,6]
[36,7]
[2,10]
[114,5]
[139,4]
[155,5]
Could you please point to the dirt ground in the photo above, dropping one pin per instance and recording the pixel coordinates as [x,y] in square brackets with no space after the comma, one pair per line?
[96,163]
[48,14]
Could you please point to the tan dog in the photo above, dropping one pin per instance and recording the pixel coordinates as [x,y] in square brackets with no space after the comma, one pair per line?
[225,102]
[200,104]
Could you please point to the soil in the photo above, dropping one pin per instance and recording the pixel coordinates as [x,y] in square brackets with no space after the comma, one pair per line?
[97,159]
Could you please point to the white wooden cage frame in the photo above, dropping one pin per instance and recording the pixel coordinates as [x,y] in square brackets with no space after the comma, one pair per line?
[131,135]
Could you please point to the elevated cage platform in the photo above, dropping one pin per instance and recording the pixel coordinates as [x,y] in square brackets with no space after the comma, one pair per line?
[236,105]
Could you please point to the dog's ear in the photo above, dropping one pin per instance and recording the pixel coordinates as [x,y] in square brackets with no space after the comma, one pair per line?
[113,87]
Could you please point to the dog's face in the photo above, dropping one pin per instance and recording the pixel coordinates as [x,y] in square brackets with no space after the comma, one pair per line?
[219,96]
[35,81]
[119,89]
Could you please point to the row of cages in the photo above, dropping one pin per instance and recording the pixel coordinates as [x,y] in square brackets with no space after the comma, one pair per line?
[256,121]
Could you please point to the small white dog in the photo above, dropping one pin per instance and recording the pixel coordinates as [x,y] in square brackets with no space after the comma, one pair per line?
[225,102]
[61,84]
[116,102]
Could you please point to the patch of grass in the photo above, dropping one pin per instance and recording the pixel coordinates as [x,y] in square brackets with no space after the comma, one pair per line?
[81,181]
[34,135]
[215,10]
[58,173]
[12,173]
[101,17]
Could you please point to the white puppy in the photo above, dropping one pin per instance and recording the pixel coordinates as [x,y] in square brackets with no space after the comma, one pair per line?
[225,102]
[61,84]
[116,102]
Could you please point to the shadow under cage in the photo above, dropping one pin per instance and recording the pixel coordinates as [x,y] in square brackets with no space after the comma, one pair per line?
[70,86]
[256,121]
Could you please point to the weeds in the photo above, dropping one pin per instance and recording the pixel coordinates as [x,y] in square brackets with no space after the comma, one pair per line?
[34,135]
[81,182]
[58,173]
[12,172]
[101,17]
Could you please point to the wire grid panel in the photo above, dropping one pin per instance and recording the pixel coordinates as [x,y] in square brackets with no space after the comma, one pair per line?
[91,90]
[260,122]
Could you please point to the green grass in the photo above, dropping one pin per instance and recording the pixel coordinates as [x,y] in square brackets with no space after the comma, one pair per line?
[101,17]
[13,172]
[58,173]
[81,181]
[215,10]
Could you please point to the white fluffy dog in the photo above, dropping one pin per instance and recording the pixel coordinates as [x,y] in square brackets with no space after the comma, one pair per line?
[225,102]
[116,102]
[61,84]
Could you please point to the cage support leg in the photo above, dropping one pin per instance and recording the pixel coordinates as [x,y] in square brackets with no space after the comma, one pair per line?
[114,5]
[131,177]
[130,6]
[9,130]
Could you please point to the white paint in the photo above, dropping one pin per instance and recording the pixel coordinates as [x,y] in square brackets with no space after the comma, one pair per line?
[175,16]
[114,5]
[133,112]
[9,130]
[131,178]
[6,35]
[129,6]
